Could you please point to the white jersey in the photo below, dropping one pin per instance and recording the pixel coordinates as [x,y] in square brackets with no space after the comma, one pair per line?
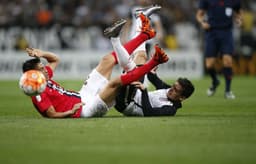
[157,99]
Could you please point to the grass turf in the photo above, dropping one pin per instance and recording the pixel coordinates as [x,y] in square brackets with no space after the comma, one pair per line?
[205,130]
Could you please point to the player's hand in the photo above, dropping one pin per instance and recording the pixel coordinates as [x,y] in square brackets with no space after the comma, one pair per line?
[33,52]
[205,25]
[138,85]
[76,107]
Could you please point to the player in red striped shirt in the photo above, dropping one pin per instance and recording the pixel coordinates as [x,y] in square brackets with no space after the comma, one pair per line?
[98,93]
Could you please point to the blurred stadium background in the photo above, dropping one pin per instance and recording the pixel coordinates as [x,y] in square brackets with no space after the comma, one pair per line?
[74,29]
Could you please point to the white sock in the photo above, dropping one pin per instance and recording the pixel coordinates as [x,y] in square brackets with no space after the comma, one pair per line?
[124,59]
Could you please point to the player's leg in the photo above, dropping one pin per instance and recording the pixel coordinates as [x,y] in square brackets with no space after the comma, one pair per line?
[107,63]
[101,102]
[140,53]
[227,50]
[142,28]
[123,57]
[148,10]
[99,77]
[109,93]
[210,68]
[227,72]
[122,53]
[211,51]
[126,93]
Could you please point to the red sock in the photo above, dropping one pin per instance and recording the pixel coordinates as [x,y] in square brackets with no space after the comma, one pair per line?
[138,72]
[133,44]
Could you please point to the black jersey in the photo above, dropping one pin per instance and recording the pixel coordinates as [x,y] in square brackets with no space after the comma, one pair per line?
[220,12]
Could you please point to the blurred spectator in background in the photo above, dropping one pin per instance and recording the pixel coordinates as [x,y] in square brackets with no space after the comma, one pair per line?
[44,16]
[78,24]
[247,61]
[21,43]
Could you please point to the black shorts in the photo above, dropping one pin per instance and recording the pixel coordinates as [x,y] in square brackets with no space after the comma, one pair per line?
[219,42]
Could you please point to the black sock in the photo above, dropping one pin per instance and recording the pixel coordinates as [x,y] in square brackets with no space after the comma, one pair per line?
[213,75]
[227,72]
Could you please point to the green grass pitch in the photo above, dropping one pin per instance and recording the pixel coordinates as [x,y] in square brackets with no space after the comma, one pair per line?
[206,130]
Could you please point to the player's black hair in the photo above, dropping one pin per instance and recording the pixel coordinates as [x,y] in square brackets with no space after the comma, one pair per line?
[188,87]
[30,64]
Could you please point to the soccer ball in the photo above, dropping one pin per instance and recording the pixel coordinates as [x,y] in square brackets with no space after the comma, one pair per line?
[32,82]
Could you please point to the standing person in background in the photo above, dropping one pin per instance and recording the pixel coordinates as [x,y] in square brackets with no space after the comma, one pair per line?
[247,62]
[219,38]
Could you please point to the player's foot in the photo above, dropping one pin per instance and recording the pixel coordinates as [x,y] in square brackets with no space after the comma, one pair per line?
[230,95]
[160,56]
[114,30]
[149,10]
[146,27]
[211,90]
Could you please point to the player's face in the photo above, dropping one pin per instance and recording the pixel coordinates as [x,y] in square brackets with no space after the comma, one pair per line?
[175,92]
[41,68]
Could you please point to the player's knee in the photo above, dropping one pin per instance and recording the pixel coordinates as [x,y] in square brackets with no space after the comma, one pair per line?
[209,63]
[227,61]
[140,58]
[106,62]
[108,59]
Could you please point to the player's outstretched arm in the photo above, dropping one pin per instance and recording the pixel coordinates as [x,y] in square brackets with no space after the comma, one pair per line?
[51,113]
[51,58]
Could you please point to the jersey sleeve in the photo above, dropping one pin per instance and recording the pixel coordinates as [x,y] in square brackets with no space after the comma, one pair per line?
[148,110]
[157,82]
[41,102]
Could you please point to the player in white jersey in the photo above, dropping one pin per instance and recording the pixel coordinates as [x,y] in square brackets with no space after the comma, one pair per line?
[135,100]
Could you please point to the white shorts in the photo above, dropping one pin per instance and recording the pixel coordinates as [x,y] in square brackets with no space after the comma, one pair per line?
[94,105]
